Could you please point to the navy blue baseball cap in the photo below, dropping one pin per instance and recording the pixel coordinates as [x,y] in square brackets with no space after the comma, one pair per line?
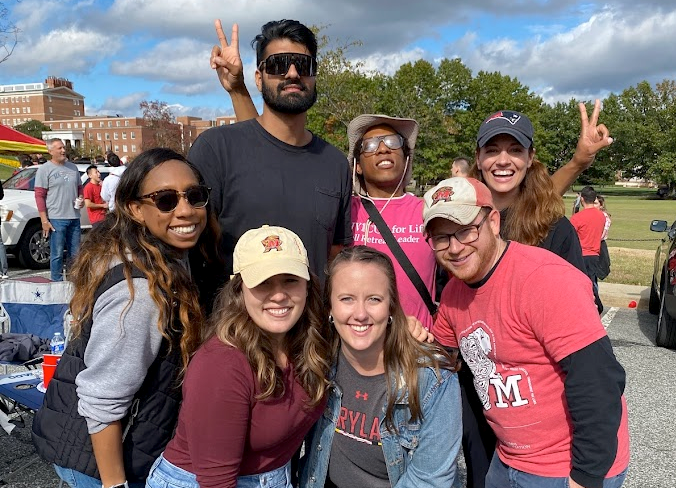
[509,122]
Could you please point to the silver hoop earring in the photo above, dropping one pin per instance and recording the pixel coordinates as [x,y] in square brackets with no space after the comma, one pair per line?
[330,319]
[389,320]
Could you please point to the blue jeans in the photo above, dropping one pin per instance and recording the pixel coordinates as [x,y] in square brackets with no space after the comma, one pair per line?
[502,476]
[163,474]
[66,236]
[75,479]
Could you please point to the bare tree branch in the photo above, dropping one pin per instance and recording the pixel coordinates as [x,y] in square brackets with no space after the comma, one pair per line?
[9,34]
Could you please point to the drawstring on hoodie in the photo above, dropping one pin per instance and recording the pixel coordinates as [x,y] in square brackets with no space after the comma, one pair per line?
[367,197]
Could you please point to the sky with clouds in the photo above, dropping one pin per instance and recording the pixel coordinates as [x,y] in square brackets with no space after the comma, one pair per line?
[119,52]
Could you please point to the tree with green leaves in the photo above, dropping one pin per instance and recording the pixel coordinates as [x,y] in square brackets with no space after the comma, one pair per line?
[33,128]
[344,91]
[639,118]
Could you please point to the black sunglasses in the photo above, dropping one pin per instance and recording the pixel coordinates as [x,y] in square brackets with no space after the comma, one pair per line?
[279,64]
[167,200]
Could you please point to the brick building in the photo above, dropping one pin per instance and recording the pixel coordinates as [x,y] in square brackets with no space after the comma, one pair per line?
[125,136]
[58,106]
[54,99]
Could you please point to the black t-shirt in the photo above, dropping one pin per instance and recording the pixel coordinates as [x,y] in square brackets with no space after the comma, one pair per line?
[257,179]
[357,457]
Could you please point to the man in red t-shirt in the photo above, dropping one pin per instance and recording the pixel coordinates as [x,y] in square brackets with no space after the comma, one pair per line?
[96,207]
[543,366]
[589,224]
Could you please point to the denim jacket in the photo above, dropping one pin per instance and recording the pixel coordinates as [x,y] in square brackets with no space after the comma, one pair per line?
[422,454]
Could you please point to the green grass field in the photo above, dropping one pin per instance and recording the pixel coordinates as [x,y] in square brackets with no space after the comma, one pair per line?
[630,241]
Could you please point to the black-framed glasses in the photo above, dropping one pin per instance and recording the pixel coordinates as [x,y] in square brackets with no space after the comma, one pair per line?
[466,235]
[279,64]
[167,200]
[392,141]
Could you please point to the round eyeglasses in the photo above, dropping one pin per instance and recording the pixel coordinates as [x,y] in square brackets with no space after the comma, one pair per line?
[466,235]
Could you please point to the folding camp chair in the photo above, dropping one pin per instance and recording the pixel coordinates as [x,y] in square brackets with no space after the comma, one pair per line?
[34,307]
[31,306]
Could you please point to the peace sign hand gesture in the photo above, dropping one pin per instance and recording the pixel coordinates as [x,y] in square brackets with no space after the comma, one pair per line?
[593,136]
[225,59]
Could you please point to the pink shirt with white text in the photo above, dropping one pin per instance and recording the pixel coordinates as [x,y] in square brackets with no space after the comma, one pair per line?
[403,215]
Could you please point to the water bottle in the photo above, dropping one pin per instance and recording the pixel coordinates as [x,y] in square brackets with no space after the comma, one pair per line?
[57,343]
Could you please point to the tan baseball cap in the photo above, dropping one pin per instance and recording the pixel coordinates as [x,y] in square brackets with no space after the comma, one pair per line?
[456,199]
[268,251]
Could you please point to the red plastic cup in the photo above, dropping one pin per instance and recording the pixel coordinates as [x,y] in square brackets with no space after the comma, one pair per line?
[47,373]
[51,359]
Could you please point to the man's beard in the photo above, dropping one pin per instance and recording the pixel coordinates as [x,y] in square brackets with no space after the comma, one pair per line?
[289,103]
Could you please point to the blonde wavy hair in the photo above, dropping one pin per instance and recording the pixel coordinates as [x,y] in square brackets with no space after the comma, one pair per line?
[121,238]
[306,344]
[403,355]
[537,208]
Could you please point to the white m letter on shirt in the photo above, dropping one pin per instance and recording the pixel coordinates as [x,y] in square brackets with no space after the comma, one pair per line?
[506,391]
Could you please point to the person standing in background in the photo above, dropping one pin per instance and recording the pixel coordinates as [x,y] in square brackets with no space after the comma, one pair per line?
[604,256]
[109,185]
[96,207]
[460,167]
[58,196]
[589,224]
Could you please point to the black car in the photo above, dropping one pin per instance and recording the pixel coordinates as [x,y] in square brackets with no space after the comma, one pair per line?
[662,299]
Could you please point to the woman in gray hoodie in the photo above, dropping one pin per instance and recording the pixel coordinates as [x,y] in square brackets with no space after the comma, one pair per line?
[113,402]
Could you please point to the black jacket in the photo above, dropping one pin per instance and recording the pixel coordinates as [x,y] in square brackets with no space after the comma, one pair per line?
[60,434]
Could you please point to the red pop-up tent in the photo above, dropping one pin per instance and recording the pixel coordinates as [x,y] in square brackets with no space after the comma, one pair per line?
[13,141]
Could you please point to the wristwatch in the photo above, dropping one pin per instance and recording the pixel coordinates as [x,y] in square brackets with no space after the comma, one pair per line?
[120,485]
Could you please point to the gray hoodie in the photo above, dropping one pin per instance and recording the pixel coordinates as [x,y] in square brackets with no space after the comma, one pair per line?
[124,342]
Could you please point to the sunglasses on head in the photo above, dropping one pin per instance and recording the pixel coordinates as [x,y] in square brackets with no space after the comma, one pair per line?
[167,200]
[392,141]
[279,64]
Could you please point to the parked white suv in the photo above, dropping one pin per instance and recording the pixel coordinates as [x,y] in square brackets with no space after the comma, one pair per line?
[21,227]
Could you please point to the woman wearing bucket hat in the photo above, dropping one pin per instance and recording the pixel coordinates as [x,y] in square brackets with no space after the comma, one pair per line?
[257,385]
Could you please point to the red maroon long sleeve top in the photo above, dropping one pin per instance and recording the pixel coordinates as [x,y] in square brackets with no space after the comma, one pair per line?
[223,432]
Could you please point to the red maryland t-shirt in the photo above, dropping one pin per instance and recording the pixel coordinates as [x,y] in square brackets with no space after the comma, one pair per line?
[513,330]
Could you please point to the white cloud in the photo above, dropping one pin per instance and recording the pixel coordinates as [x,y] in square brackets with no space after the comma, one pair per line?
[585,51]
[62,51]
[389,63]
[610,52]
[176,61]
[127,105]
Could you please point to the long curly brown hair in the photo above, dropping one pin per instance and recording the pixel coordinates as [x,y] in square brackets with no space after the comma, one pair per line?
[122,239]
[306,344]
[403,355]
[537,208]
